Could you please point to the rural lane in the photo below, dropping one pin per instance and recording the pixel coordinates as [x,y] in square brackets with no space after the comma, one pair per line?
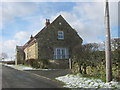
[12,78]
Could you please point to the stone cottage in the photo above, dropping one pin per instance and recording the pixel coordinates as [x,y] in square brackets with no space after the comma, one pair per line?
[54,43]
[20,57]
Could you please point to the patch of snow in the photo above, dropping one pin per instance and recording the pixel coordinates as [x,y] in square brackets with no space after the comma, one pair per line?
[19,67]
[23,67]
[44,69]
[77,81]
[27,68]
[8,65]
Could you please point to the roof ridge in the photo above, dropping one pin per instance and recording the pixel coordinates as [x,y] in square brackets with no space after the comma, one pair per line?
[43,29]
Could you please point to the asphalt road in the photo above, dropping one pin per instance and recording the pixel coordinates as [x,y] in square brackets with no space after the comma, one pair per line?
[12,78]
[52,74]
[0,76]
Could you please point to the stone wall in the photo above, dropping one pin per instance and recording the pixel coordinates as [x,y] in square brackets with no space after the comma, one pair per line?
[31,52]
[58,64]
[48,38]
[20,55]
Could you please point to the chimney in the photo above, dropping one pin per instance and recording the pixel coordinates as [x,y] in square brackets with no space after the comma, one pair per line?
[31,37]
[47,22]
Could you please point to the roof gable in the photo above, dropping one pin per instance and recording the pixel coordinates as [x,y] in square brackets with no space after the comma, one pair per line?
[60,21]
[57,21]
[58,24]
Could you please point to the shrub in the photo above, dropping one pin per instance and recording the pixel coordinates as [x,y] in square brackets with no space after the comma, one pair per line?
[35,63]
[87,59]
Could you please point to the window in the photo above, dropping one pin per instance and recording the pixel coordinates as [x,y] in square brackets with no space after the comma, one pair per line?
[61,53]
[60,35]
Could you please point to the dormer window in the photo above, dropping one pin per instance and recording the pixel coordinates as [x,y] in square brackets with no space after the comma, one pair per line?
[60,35]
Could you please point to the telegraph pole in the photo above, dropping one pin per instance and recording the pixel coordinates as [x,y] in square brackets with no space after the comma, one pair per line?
[108,44]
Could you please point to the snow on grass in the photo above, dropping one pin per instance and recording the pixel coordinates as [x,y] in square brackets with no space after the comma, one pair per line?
[23,67]
[20,67]
[77,81]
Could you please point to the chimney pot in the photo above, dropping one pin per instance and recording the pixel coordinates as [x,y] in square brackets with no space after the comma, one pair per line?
[31,37]
[47,22]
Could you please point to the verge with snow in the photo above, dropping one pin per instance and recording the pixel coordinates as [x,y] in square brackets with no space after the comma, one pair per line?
[23,67]
[19,67]
[77,81]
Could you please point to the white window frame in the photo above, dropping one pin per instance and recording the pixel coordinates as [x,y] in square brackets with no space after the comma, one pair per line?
[60,35]
[65,56]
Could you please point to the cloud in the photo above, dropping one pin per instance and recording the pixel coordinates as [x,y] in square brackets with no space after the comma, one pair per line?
[35,22]
[88,20]
[21,35]
[10,43]
[0,16]
[113,13]
[58,0]
[17,9]
[9,47]
[1,46]
[90,11]
[12,10]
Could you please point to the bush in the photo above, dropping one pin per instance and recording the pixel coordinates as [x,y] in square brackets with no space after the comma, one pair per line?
[37,63]
[87,59]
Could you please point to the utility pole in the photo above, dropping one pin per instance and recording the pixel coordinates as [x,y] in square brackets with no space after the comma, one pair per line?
[70,63]
[108,44]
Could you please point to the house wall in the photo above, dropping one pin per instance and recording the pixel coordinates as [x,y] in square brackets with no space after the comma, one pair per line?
[47,39]
[58,64]
[19,55]
[31,52]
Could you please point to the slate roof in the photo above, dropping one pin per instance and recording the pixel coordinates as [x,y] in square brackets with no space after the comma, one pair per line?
[33,40]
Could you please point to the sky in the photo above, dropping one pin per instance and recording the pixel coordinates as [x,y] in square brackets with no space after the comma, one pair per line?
[21,19]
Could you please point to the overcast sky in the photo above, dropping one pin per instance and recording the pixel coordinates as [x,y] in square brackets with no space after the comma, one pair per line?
[21,19]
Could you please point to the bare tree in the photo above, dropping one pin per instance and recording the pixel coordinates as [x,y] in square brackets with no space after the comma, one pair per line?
[115,42]
[3,56]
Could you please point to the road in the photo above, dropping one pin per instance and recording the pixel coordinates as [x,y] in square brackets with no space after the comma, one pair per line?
[51,73]
[12,78]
